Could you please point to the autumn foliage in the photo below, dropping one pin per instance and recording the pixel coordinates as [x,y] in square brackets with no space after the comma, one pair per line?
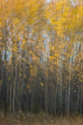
[41,56]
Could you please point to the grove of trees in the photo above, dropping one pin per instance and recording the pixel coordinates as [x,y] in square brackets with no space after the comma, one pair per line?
[41,56]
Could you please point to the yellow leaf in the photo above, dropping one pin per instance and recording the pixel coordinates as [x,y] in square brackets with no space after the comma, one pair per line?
[9,78]
[41,84]
[28,86]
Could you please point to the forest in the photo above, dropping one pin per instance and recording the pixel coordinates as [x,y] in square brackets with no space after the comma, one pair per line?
[41,56]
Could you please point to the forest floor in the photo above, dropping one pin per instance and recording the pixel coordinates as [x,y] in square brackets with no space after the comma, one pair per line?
[39,120]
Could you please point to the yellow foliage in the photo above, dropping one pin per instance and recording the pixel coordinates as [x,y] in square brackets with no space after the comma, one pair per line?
[28,86]
[24,76]
[9,78]
[41,84]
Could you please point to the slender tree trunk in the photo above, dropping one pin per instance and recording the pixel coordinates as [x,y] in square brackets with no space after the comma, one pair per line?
[46,92]
[14,89]
[69,87]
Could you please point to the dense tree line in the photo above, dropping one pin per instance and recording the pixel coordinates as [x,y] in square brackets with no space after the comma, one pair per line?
[41,56]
